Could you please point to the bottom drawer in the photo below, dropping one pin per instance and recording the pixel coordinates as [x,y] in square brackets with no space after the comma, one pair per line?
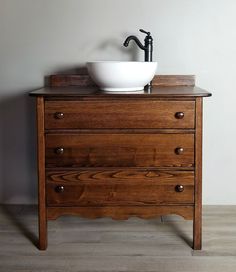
[119,187]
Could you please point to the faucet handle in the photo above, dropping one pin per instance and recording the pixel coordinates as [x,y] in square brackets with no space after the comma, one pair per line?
[143,31]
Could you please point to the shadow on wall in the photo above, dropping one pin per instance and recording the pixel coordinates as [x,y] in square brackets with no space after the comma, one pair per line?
[18,183]
[18,152]
[18,157]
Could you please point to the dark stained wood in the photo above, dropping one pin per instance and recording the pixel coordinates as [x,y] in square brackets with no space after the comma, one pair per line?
[118,187]
[120,176]
[70,80]
[119,150]
[120,155]
[121,131]
[96,194]
[121,213]
[197,220]
[118,114]
[173,80]
[41,175]
[172,92]
[85,80]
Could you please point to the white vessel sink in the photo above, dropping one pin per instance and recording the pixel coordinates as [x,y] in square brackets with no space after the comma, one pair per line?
[121,76]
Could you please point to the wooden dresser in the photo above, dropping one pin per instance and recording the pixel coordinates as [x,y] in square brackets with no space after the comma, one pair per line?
[119,155]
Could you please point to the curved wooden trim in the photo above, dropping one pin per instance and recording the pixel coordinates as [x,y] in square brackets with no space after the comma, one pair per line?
[121,213]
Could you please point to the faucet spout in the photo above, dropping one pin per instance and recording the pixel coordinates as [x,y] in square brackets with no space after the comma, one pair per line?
[137,41]
[147,47]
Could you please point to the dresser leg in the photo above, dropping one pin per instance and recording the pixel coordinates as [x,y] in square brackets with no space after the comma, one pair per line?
[42,229]
[197,229]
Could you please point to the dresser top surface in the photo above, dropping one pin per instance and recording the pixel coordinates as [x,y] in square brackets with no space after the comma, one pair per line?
[154,92]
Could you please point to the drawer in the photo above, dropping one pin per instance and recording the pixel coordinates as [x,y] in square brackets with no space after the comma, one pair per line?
[119,114]
[119,150]
[119,187]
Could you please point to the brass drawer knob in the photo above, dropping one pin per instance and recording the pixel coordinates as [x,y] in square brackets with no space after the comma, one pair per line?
[59,115]
[179,115]
[179,150]
[179,188]
[60,189]
[59,150]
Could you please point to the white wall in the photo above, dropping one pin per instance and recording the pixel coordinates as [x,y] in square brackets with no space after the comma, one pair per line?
[41,37]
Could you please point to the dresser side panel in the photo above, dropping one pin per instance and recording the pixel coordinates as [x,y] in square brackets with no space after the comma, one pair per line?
[41,175]
[197,222]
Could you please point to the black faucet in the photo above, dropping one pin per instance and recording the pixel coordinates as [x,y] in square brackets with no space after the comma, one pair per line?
[147,47]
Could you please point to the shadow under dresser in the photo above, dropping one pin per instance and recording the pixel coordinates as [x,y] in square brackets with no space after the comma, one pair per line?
[119,155]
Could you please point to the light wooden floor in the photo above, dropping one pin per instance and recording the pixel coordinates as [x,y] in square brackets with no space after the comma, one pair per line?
[135,245]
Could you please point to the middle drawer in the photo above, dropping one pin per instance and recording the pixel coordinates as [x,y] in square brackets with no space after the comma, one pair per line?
[119,150]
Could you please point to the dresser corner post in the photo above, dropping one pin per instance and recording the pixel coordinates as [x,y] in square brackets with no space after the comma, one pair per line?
[197,218]
[42,211]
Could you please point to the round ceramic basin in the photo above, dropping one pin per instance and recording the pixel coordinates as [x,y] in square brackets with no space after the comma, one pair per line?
[121,76]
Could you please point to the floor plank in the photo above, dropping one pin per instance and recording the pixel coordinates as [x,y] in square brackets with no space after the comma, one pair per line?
[77,244]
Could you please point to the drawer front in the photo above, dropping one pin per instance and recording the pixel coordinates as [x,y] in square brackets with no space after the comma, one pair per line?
[119,187]
[119,150]
[119,114]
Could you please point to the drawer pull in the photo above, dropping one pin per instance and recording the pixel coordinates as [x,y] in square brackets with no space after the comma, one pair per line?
[59,115]
[59,150]
[179,115]
[179,188]
[179,150]
[60,189]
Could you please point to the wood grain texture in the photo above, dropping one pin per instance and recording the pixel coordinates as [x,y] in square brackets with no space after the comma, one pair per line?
[97,195]
[41,175]
[121,131]
[119,187]
[121,150]
[121,176]
[80,244]
[120,155]
[91,93]
[173,80]
[70,80]
[85,80]
[121,213]
[119,114]
[197,221]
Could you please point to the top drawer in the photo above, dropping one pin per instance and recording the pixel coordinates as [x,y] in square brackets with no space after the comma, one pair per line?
[119,114]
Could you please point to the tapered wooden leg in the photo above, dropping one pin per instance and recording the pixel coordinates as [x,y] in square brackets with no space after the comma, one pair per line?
[197,217]
[197,229]
[42,212]
[42,229]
